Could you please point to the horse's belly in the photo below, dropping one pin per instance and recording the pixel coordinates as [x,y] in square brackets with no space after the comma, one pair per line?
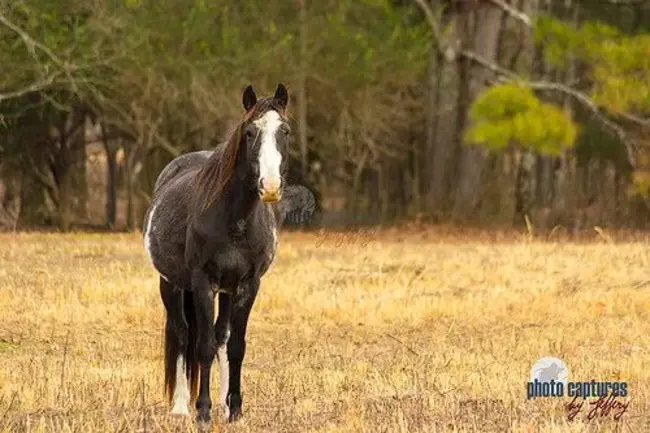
[166,250]
[228,280]
[169,261]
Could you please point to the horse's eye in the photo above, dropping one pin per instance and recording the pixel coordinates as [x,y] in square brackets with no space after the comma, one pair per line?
[286,130]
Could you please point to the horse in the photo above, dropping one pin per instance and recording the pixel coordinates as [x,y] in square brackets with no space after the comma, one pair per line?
[211,232]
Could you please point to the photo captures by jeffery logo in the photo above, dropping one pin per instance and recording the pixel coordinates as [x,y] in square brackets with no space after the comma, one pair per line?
[549,378]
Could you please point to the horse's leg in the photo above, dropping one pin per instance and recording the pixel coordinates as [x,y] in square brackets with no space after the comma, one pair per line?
[204,309]
[176,340]
[241,309]
[222,333]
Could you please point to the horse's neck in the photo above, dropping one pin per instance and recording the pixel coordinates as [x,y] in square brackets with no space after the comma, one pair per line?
[238,205]
[242,206]
[239,202]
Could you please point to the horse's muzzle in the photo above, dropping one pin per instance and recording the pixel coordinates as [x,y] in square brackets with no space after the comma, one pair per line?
[270,189]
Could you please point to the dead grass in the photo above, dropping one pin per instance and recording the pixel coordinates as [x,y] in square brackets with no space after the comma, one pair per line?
[386,332]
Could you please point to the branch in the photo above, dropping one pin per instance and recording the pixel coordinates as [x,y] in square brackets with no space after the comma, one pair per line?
[433,23]
[635,119]
[31,43]
[625,2]
[514,13]
[562,88]
[35,87]
[161,143]
[431,19]
[498,70]
[196,130]
[111,133]
[591,105]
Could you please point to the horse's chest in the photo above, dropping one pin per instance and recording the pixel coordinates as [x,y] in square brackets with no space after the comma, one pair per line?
[238,261]
[229,267]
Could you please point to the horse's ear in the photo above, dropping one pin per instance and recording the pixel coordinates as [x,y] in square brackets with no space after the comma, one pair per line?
[281,95]
[249,98]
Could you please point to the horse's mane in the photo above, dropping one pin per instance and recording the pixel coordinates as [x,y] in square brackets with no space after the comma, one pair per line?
[210,181]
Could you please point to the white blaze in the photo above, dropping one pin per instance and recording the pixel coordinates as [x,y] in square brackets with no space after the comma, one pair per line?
[181,395]
[269,157]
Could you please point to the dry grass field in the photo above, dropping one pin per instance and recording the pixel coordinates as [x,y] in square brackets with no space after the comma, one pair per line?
[378,332]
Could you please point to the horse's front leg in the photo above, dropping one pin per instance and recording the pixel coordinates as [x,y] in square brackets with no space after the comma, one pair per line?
[204,309]
[241,308]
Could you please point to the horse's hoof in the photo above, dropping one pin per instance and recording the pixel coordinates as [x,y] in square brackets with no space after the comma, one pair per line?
[234,415]
[203,425]
[233,408]
[203,421]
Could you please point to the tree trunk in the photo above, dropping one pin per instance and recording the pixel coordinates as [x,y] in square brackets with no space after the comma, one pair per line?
[33,202]
[608,189]
[111,179]
[69,135]
[441,149]
[562,180]
[373,192]
[544,172]
[481,27]
[429,184]
[524,187]
[79,174]
[507,184]
[65,199]
[302,88]
[61,171]
[130,200]
[132,169]
[9,197]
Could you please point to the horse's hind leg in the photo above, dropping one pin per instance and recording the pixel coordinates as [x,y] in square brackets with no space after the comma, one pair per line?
[222,333]
[204,309]
[176,340]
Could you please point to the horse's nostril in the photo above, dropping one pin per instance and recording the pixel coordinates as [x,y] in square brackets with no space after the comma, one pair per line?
[271,184]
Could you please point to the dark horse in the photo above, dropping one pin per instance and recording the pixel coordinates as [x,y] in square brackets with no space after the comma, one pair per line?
[211,229]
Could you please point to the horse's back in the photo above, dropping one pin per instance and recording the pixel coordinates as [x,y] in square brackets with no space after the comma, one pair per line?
[179,165]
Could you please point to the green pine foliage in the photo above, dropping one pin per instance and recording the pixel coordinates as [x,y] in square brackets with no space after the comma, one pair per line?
[615,74]
[617,67]
[618,64]
[511,113]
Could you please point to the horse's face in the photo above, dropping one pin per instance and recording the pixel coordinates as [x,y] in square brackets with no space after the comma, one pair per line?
[266,138]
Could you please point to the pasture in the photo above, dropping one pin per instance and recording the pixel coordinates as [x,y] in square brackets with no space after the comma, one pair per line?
[373,332]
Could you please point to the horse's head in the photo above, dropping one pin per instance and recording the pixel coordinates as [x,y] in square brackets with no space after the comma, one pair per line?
[265,139]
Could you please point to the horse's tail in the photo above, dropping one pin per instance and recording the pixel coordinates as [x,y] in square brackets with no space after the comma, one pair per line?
[173,350]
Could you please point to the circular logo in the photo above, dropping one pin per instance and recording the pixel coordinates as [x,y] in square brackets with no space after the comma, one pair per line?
[549,368]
